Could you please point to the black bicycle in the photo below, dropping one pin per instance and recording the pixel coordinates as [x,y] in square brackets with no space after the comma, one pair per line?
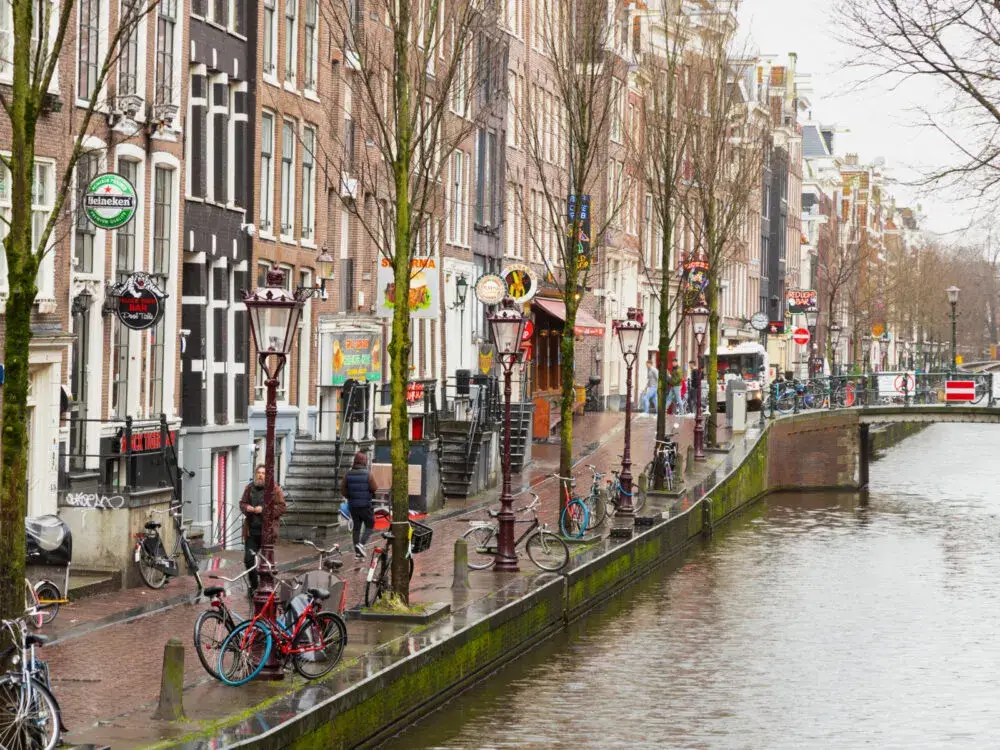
[379,578]
[216,623]
[30,716]
[545,549]
[155,566]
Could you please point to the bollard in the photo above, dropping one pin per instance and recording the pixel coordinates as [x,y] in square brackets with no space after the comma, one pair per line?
[461,576]
[689,461]
[171,706]
[679,468]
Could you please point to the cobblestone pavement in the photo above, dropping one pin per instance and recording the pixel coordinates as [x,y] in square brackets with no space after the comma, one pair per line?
[110,676]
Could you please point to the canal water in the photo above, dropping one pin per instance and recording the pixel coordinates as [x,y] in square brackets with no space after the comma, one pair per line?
[815,621]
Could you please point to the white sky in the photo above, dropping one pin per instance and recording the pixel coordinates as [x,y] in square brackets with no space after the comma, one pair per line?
[880,121]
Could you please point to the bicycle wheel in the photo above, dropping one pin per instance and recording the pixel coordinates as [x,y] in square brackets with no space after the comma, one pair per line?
[379,583]
[326,635]
[210,631]
[480,537]
[153,576]
[547,550]
[573,520]
[596,510]
[29,715]
[48,600]
[786,403]
[31,603]
[244,653]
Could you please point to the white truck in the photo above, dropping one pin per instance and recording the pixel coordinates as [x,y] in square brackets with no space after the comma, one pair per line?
[749,362]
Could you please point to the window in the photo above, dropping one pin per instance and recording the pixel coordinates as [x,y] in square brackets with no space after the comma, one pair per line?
[459,93]
[125,236]
[88,48]
[166,23]
[219,147]
[270,37]
[287,177]
[163,213]
[156,352]
[309,56]
[456,209]
[512,227]
[83,251]
[308,184]
[124,264]
[647,233]
[486,209]
[219,11]
[197,134]
[291,40]
[42,200]
[128,61]
[266,172]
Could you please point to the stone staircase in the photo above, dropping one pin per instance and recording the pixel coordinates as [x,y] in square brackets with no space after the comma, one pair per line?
[457,457]
[311,486]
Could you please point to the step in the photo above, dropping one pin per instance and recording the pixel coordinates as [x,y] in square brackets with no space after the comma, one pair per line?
[317,471]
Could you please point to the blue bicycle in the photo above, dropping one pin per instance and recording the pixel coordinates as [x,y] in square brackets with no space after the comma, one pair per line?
[574,518]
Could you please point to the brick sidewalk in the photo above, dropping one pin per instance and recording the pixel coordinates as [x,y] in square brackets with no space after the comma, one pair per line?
[107,680]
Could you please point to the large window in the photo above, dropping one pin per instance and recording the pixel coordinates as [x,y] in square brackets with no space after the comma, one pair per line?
[220,140]
[486,208]
[42,200]
[166,23]
[124,264]
[291,39]
[308,184]
[266,172]
[163,195]
[83,252]
[310,40]
[459,201]
[270,37]
[128,61]
[125,236]
[287,177]
[88,46]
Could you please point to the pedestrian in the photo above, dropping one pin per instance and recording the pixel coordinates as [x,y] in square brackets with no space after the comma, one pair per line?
[691,386]
[649,395]
[674,392]
[252,505]
[359,487]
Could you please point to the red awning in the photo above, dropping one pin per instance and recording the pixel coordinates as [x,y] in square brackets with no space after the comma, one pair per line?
[585,324]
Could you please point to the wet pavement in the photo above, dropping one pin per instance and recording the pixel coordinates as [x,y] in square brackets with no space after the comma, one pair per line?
[105,703]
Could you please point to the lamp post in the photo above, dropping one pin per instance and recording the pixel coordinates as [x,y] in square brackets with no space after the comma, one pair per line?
[812,315]
[883,349]
[699,325]
[461,289]
[866,343]
[953,300]
[835,331]
[506,328]
[324,269]
[630,339]
[274,315]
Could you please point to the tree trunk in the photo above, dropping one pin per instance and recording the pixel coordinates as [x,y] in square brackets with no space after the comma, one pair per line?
[712,296]
[399,348]
[566,368]
[664,344]
[21,267]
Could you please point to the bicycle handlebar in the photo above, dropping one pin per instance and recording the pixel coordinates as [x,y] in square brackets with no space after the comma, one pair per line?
[334,548]
[235,578]
[530,506]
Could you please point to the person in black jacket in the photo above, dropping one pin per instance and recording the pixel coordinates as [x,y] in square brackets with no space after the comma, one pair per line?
[359,487]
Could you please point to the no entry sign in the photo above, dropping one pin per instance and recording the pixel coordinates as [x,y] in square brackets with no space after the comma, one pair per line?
[960,390]
[800,336]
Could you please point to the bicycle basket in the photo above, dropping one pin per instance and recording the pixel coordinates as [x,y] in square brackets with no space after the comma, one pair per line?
[421,538]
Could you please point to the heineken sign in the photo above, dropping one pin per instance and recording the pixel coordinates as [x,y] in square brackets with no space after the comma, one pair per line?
[140,301]
[110,201]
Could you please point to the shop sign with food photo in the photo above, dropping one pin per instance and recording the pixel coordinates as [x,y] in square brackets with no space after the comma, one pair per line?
[423,288]
[352,355]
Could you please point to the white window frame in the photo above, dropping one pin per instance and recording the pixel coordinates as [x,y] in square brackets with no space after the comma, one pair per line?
[311,62]
[269,66]
[287,210]
[291,42]
[308,229]
[176,57]
[266,197]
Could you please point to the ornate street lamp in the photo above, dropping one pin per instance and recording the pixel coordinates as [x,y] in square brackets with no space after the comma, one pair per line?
[699,326]
[883,348]
[866,344]
[953,300]
[274,316]
[507,327]
[324,269]
[630,339]
[835,332]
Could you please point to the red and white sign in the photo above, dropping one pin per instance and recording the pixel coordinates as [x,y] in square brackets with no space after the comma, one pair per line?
[800,336]
[905,383]
[960,390]
[528,332]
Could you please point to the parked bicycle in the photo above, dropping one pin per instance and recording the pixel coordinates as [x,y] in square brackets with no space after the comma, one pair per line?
[378,581]
[30,716]
[215,624]
[310,639]
[660,471]
[614,492]
[155,566]
[545,549]
[574,519]
[595,501]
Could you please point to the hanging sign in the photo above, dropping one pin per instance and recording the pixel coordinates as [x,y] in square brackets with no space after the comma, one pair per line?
[350,355]
[491,289]
[423,288]
[582,243]
[528,332]
[800,300]
[140,301]
[522,282]
[110,201]
[759,321]
[695,284]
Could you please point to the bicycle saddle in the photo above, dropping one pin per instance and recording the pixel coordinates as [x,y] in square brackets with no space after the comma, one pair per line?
[493,513]
[211,591]
[152,525]
[387,535]
[33,639]
[320,594]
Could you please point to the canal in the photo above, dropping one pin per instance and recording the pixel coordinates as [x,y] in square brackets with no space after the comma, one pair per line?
[814,621]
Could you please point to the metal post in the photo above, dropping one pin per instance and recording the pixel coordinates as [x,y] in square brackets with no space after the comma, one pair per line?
[506,554]
[273,669]
[699,418]
[625,508]
[129,468]
[954,332]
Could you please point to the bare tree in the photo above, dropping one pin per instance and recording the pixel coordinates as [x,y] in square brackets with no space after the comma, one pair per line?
[423,76]
[838,269]
[658,155]
[727,140]
[955,43]
[34,60]
[569,156]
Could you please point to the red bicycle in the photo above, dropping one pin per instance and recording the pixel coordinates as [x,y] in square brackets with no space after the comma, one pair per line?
[312,640]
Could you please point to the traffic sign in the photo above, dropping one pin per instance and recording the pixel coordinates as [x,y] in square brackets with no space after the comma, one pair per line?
[904,383]
[800,336]
[960,390]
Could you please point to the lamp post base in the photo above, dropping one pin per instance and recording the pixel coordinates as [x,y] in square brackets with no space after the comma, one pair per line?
[624,526]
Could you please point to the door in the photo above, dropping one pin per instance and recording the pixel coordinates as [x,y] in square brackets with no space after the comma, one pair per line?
[220,497]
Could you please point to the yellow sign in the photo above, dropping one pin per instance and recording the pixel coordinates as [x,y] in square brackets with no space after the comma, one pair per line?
[877,330]
[486,362]
[958,359]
